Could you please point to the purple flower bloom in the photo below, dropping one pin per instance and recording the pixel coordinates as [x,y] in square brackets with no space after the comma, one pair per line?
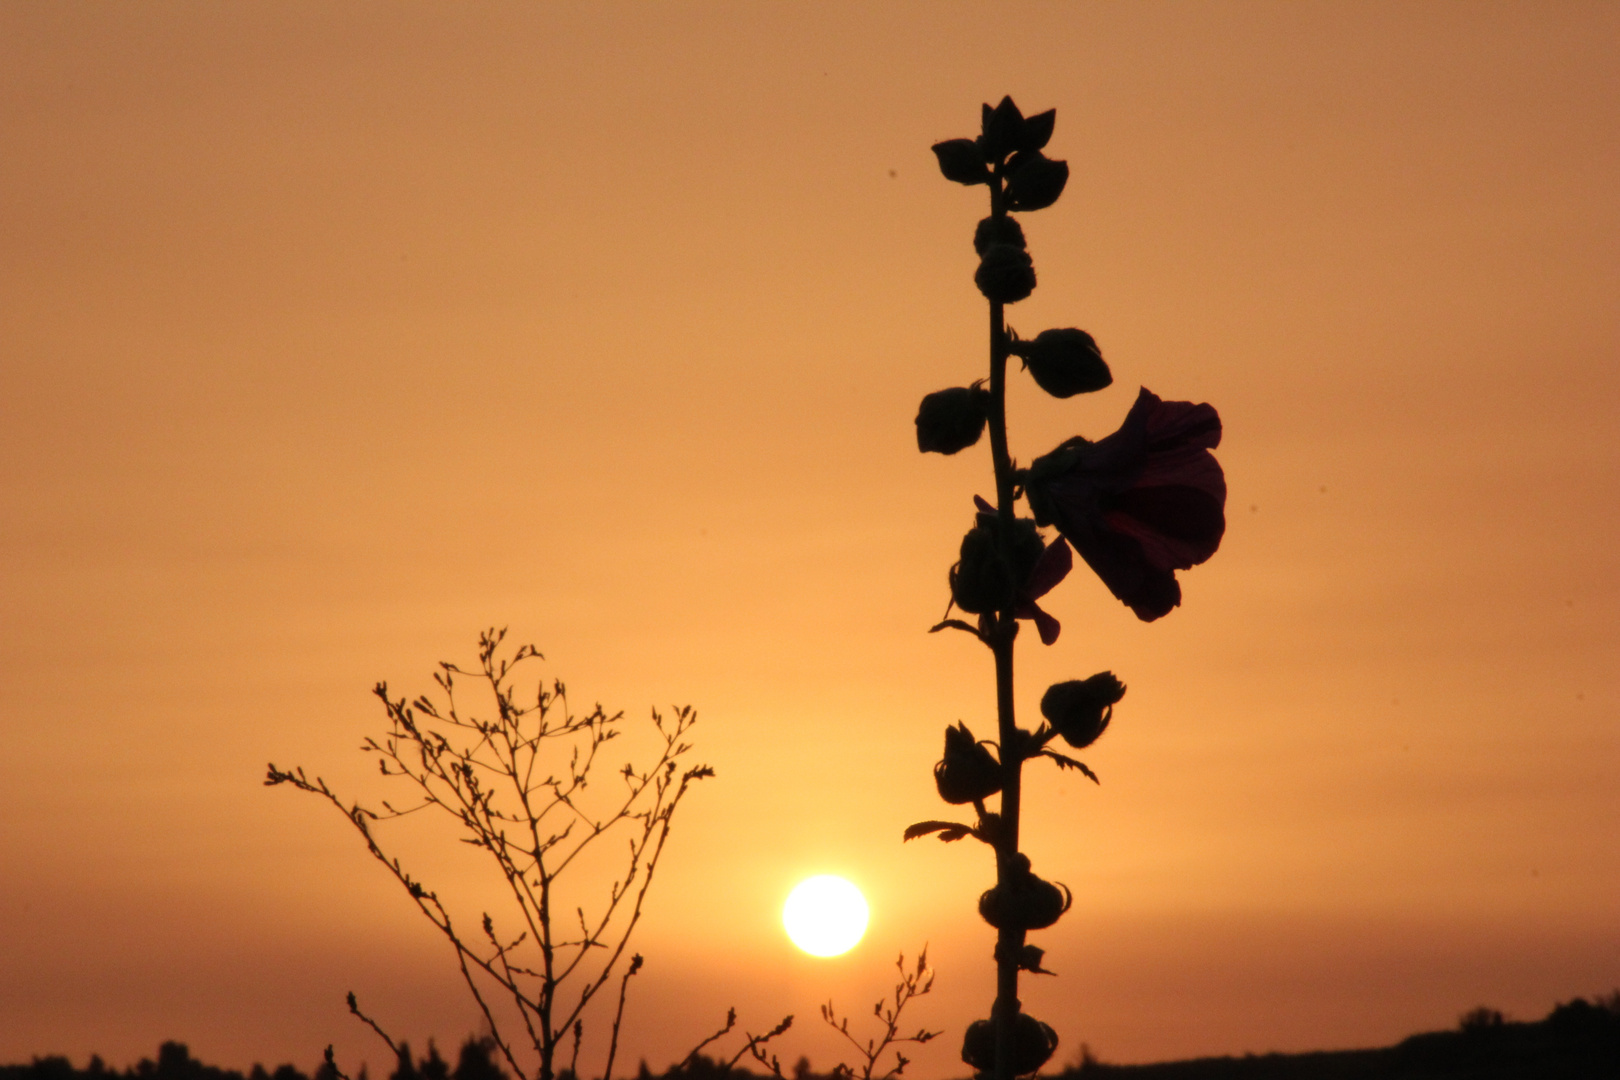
[1146,501]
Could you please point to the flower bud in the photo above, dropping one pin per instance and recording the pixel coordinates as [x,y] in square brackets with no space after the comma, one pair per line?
[1006,273]
[1079,710]
[1023,901]
[1027,546]
[981,580]
[1038,130]
[997,230]
[968,772]
[1033,1045]
[1034,181]
[952,420]
[1064,362]
[1003,129]
[960,160]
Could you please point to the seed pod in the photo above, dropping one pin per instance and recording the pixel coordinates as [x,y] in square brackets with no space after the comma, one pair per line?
[997,230]
[968,771]
[1064,362]
[960,160]
[1024,901]
[952,420]
[1034,181]
[1033,1045]
[1080,709]
[1006,273]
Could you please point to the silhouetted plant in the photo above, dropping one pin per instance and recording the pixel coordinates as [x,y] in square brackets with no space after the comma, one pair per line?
[514,780]
[1138,505]
[914,983]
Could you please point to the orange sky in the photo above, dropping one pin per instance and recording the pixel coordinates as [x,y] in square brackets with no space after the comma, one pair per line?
[331,335]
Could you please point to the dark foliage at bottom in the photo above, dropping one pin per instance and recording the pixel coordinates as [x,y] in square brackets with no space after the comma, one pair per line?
[174,1062]
[1579,1040]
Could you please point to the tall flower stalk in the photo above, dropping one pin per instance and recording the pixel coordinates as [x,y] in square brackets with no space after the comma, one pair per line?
[1138,505]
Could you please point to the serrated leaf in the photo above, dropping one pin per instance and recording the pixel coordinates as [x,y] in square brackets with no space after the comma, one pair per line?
[1066,762]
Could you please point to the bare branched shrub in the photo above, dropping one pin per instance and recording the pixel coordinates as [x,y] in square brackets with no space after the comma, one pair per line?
[514,781]
[914,983]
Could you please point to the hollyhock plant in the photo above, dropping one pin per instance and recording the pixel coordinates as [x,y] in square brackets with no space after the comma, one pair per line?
[1140,504]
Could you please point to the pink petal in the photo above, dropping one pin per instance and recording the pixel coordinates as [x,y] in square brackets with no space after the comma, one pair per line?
[1052,567]
[1049,627]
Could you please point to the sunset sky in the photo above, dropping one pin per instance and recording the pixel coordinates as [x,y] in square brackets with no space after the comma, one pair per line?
[331,334]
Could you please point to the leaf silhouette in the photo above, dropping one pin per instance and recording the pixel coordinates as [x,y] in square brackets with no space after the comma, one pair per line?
[1065,762]
[948,830]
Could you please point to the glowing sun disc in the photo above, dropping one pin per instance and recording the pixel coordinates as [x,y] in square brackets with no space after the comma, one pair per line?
[825,915]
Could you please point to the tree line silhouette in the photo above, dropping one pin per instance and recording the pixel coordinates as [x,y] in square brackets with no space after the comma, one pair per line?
[1577,1040]
[477,1060]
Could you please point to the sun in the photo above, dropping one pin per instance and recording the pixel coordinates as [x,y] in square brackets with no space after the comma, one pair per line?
[825,915]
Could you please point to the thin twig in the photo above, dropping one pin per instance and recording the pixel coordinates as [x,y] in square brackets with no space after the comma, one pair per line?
[354,1007]
[731,1022]
[914,983]
[618,1016]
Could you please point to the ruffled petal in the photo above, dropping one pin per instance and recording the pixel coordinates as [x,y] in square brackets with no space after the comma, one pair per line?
[1144,502]
[1178,527]
[1123,566]
[1181,423]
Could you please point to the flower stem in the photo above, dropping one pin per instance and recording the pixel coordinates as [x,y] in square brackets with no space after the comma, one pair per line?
[1004,633]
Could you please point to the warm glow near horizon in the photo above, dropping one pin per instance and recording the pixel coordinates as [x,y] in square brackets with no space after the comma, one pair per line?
[332,334]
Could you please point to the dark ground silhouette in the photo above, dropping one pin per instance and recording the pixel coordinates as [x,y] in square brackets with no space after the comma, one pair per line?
[1578,1040]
